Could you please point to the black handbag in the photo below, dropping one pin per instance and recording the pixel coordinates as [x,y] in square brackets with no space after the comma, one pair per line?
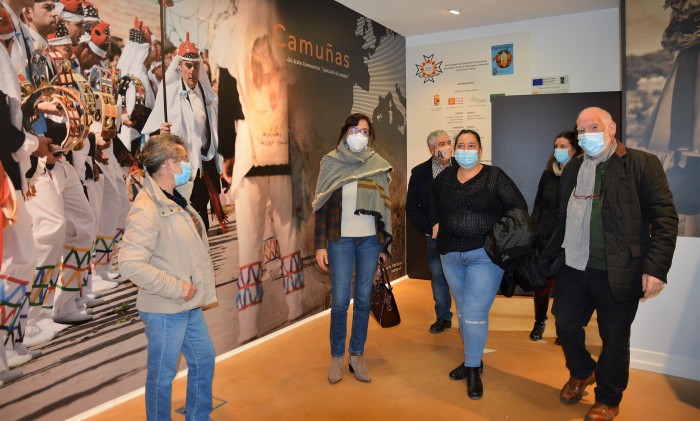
[382,303]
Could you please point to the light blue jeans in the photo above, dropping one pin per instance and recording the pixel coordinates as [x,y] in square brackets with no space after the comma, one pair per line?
[474,282]
[168,336]
[344,255]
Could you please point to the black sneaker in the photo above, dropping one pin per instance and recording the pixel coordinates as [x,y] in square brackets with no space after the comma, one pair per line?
[440,325]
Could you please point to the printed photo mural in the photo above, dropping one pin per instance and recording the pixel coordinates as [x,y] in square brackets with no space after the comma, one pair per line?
[661,93]
[290,72]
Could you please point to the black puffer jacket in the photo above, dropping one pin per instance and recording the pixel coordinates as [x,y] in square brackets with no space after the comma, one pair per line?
[639,219]
[511,240]
[510,245]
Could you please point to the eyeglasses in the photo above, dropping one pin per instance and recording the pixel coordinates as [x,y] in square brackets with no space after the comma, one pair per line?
[355,130]
[585,196]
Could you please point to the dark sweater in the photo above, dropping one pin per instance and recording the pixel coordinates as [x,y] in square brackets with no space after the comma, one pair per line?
[467,212]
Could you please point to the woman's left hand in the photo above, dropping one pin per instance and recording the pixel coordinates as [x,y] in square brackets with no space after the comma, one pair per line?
[436,228]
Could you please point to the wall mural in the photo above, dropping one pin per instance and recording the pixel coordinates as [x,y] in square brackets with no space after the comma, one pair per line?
[662,42]
[314,63]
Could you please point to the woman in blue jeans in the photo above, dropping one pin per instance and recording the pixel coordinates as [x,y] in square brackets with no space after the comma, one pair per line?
[467,200]
[353,227]
[166,254]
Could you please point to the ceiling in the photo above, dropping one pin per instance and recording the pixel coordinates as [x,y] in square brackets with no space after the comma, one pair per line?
[418,17]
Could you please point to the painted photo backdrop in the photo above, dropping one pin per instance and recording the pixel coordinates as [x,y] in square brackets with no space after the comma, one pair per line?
[661,91]
[321,62]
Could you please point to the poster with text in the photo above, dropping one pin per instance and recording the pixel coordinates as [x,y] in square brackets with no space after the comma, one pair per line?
[450,86]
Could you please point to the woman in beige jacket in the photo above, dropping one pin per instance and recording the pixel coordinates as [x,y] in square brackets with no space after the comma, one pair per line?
[165,253]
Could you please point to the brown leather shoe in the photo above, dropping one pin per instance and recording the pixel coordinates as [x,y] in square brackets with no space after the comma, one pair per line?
[602,412]
[572,391]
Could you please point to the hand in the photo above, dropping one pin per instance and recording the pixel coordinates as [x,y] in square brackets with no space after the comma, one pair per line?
[52,107]
[322,258]
[45,147]
[651,286]
[383,257]
[165,127]
[436,227]
[52,159]
[127,121]
[188,291]
[227,170]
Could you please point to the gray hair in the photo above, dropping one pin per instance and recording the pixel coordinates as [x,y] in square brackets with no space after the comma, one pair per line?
[604,115]
[159,148]
[433,135]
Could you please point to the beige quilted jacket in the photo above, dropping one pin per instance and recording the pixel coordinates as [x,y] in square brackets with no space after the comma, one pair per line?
[161,250]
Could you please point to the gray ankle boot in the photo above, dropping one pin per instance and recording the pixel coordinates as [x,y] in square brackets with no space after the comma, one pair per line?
[357,366]
[335,374]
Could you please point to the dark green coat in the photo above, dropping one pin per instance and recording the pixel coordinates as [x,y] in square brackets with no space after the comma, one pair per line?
[639,218]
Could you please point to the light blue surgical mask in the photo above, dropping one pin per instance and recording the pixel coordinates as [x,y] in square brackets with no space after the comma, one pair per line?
[592,143]
[467,158]
[562,155]
[184,176]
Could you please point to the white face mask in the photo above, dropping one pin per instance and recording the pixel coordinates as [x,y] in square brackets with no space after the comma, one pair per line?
[357,142]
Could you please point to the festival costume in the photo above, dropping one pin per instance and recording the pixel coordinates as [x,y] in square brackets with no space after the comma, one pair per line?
[193,114]
[116,201]
[81,224]
[18,255]
[261,173]
[111,219]
[48,220]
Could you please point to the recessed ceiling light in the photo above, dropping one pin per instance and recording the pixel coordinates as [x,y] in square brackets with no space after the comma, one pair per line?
[456,11]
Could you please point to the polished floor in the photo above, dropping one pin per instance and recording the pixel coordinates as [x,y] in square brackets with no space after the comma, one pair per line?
[284,377]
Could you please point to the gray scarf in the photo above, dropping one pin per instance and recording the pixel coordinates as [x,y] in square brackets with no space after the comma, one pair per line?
[578,212]
[341,166]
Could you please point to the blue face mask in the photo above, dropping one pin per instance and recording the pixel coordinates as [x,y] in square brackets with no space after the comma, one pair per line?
[592,143]
[561,155]
[184,176]
[466,158]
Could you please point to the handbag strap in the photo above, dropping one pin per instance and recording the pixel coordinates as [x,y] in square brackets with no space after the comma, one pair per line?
[383,274]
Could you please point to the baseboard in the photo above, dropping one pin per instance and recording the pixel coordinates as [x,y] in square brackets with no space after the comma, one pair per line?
[672,365]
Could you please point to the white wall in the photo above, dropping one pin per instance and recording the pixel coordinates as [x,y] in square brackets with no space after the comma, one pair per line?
[665,333]
[586,46]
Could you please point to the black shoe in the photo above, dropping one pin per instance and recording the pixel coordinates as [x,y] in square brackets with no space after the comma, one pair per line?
[537,331]
[440,325]
[475,389]
[460,373]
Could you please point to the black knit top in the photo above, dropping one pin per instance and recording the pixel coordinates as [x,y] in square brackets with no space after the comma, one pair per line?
[467,212]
